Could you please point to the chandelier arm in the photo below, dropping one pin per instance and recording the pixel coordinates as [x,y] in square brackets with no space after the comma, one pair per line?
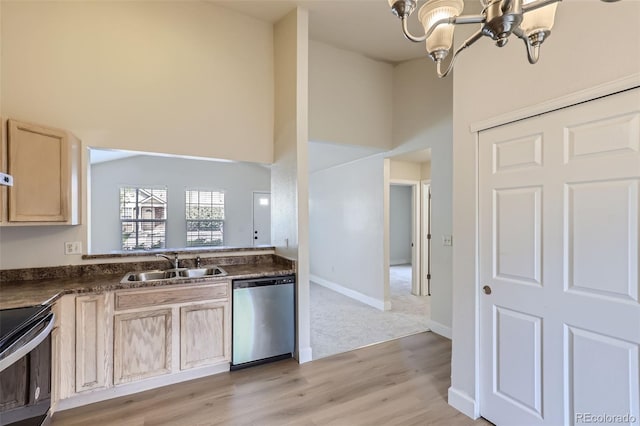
[468,42]
[407,33]
[537,5]
[533,52]
[469,19]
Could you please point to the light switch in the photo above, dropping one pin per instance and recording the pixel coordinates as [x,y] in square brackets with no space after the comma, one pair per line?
[447,240]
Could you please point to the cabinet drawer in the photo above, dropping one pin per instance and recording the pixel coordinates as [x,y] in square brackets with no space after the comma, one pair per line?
[133,299]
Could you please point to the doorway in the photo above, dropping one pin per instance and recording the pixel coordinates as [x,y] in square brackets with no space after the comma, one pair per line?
[409,235]
[401,230]
[261,218]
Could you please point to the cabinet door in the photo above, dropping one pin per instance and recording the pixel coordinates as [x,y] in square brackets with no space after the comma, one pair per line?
[142,345]
[204,334]
[91,350]
[40,160]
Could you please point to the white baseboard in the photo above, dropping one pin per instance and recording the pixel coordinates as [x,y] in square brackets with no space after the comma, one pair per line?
[394,262]
[463,403]
[440,329]
[368,300]
[305,355]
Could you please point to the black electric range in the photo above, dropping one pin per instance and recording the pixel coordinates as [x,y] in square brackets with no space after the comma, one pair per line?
[25,365]
[15,322]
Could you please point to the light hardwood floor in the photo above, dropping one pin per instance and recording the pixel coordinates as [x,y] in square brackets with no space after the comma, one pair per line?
[400,382]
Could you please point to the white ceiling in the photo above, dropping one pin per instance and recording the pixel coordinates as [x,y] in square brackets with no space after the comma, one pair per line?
[365,26]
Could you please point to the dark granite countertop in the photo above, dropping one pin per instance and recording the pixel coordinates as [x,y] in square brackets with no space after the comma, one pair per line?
[19,293]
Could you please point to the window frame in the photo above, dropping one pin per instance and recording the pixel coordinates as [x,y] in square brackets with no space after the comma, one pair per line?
[188,221]
[138,221]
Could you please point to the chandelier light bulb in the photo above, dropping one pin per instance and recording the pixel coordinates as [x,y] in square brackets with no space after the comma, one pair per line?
[439,42]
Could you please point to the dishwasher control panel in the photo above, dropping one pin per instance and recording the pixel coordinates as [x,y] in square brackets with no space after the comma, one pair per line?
[260,282]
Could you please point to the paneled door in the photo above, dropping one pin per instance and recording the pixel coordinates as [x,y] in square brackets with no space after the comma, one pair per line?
[559,233]
[261,218]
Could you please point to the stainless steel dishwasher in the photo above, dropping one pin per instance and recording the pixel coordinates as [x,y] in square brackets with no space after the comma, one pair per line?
[263,320]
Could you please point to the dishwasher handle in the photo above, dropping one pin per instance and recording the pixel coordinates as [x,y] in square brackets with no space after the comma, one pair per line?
[262,282]
[30,340]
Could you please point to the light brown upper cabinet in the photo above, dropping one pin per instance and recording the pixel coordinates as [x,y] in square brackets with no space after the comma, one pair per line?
[45,165]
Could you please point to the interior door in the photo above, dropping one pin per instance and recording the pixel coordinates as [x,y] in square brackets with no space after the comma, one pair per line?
[261,218]
[426,240]
[416,277]
[559,233]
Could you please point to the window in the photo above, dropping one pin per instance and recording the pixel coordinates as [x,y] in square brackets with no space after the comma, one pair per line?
[205,218]
[143,218]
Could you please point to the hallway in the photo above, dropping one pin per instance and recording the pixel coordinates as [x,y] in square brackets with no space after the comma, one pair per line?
[340,323]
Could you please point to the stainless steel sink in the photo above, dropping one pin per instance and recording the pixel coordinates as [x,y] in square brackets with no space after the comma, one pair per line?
[181,273]
[151,275]
[203,272]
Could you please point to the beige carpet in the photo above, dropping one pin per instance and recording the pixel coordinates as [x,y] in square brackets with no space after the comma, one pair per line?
[340,324]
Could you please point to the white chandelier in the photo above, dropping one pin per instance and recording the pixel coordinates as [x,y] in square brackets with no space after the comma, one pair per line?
[530,20]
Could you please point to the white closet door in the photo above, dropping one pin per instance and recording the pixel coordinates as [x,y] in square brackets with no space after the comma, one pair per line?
[559,234]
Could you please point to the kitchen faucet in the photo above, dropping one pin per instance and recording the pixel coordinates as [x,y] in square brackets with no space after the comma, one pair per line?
[174,262]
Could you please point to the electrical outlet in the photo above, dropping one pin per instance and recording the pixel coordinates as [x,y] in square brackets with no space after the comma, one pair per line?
[447,240]
[73,247]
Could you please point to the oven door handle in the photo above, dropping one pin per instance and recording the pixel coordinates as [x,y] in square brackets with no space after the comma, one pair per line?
[27,347]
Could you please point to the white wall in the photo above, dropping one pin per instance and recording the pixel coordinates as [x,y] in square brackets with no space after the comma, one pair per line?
[345,222]
[405,170]
[350,97]
[422,118]
[400,224]
[350,103]
[574,58]
[172,77]
[289,172]
[236,180]
[425,170]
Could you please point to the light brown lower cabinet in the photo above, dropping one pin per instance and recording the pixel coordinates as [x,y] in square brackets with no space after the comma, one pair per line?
[203,340]
[142,345]
[92,340]
[114,339]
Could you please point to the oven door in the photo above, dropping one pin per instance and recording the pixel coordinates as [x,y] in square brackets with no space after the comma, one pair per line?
[25,376]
